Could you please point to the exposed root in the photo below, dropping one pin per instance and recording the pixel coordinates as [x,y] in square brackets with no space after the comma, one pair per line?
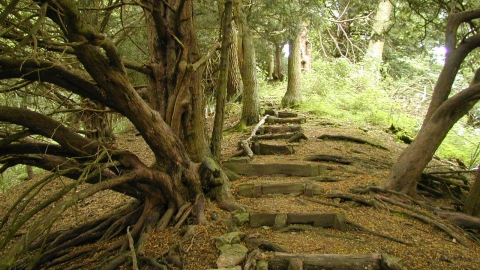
[361,228]
[167,216]
[411,211]
[118,238]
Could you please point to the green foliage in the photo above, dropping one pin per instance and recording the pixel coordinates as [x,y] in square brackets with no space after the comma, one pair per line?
[14,176]
[352,93]
[356,93]
[463,143]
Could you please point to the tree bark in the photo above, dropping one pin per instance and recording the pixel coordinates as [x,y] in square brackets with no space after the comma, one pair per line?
[380,26]
[306,50]
[278,71]
[472,203]
[235,83]
[175,84]
[250,108]
[454,57]
[217,133]
[271,65]
[293,96]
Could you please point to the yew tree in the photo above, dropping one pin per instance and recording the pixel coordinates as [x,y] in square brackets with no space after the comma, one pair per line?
[445,108]
[51,46]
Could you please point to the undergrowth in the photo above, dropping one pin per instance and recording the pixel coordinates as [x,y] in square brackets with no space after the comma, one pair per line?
[358,94]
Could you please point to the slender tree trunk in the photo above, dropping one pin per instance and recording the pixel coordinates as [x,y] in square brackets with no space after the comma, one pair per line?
[98,125]
[293,96]
[271,66]
[455,55]
[217,133]
[250,106]
[278,74]
[30,173]
[235,83]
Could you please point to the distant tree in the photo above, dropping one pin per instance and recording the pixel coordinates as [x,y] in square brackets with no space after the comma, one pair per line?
[380,26]
[293,95]
[278,63]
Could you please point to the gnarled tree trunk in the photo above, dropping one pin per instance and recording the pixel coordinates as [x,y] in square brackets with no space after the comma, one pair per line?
[169,190]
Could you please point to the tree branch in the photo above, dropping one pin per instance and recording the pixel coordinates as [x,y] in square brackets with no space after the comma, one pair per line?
[49,128]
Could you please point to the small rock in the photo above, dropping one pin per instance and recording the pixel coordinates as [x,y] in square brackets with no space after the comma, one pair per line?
[241,218]
[229,238]
[261,265]
[231,255]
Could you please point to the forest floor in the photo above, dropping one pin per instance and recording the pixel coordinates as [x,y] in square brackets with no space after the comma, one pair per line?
[428,247]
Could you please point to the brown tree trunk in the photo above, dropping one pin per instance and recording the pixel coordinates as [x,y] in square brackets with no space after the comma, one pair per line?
[250,108]
[235,83]
[443,112]
[98,125]
[472,203]
[217,133]
[271,66]
[175,85]
[30,173]
[407,171]
[293,96]
[455,55]
[278,73]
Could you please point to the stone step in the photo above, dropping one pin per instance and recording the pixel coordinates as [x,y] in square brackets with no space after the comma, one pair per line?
[281,220]
[258,189]
[276,168]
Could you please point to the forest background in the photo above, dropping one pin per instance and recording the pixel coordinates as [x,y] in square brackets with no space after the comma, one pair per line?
[74,74]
